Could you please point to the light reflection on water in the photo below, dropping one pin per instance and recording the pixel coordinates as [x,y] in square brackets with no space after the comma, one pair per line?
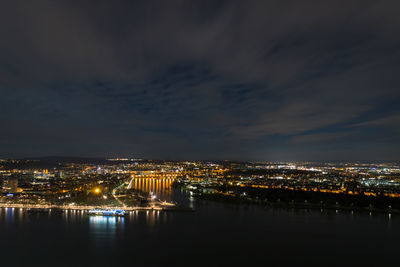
[161,187]
[213,224]
[150,218]
[106,224]
[9,214]
[110,223]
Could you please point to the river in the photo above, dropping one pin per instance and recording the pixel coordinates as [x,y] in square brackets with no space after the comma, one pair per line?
[216,234]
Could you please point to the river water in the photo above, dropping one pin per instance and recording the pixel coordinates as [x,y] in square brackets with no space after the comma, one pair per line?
[216,234]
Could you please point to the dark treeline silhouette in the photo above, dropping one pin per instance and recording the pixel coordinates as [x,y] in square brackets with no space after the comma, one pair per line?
[304,199]
[267,172]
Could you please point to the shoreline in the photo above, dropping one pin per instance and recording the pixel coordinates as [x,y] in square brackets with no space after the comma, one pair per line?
[295,205]
[85,208]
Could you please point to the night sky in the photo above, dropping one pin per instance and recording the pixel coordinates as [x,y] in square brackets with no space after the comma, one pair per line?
[244,80]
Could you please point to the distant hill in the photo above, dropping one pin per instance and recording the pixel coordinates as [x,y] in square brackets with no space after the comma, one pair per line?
[50,162]
[69,159]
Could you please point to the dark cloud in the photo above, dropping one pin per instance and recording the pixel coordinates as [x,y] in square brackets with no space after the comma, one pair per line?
[200,79]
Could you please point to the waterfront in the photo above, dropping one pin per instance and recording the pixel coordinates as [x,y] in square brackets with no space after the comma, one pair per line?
[217,234]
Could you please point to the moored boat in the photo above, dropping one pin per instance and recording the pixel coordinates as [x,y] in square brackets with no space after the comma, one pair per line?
[107,212]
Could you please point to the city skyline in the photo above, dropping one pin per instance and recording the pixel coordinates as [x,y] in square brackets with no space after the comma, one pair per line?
[199,133]
[200,80]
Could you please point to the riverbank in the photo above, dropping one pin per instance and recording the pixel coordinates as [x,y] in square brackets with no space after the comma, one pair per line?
[86,208]
[303,204]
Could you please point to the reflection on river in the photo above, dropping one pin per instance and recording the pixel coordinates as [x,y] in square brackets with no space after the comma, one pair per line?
[226,233]
[161,187]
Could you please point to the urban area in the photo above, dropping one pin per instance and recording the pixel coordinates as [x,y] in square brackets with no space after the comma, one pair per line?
[136,184]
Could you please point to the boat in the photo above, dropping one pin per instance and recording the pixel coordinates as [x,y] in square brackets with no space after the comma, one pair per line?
[107,212]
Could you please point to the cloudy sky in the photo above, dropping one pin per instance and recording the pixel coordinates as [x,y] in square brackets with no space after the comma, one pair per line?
[246,80]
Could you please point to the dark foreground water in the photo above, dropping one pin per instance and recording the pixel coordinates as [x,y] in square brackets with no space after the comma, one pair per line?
[216,234]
